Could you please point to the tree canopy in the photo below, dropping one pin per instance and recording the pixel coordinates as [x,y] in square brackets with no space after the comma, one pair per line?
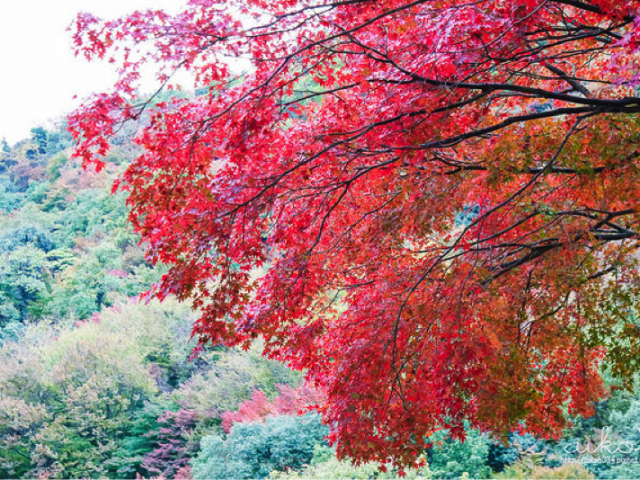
[430,206]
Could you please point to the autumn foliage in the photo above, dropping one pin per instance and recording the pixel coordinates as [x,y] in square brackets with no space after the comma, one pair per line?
[291,401]
[343,164]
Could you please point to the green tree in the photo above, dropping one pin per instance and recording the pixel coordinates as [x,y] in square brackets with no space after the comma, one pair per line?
[327,466]
[254,450]
[25,279]
[453,459]
[71,391]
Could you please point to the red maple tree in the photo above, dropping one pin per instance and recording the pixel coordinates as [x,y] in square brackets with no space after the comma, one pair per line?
[445,193]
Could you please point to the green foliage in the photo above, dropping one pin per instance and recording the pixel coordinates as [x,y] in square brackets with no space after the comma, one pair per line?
[38,192]
[39,135]
[530,468]
[10,198]
[136,442]
[25,279]
[84,399]
[231,379]
[254,450]
[92,255]
[454,459]
[325,465]
[86,286]
[58,140]
[88,382]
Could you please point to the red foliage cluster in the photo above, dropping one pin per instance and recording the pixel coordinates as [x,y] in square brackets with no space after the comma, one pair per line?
[291,401]
[342,161]
[176,447]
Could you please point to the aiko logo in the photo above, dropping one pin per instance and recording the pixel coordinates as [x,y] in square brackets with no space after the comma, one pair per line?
[602,446]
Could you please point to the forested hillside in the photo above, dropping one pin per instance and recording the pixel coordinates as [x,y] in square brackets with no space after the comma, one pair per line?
[403,242]
[95,383]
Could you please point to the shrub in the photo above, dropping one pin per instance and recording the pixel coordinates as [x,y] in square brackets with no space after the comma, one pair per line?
[254,450]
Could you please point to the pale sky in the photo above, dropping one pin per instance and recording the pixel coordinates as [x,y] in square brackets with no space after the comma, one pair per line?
[38,73]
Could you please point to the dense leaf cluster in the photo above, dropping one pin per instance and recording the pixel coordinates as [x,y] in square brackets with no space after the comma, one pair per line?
[443,195]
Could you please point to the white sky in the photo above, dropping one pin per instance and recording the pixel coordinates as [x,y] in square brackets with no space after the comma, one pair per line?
[38,73]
